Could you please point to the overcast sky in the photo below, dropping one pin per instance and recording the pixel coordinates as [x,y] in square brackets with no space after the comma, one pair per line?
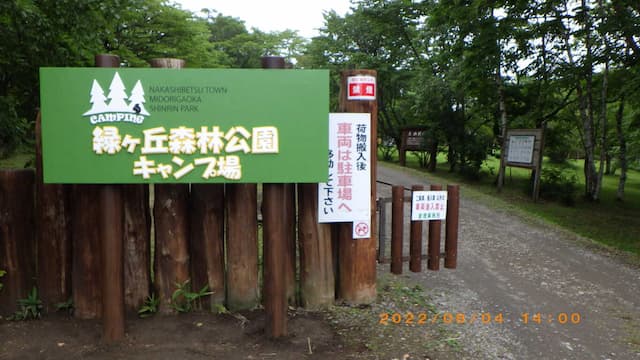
[273,15]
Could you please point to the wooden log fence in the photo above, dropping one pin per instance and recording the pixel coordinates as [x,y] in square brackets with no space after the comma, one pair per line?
[415,257]
[93,242]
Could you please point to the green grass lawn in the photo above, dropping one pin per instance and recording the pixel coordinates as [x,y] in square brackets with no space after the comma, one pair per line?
[18,161]
[609,222]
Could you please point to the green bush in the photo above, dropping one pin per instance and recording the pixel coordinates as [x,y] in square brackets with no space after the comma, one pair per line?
[2,273]
[559,185]
[14,131]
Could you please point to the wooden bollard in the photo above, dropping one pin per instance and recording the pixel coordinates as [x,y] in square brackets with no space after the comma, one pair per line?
[17,242]
[397,227]
[171,215]
[415,240]
[276,205]
[434,239]
[451,239]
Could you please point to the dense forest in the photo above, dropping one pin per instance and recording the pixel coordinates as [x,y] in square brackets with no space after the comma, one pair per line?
[465,69]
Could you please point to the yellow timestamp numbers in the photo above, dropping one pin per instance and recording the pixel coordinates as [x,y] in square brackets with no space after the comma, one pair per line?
[561,318]
[424,318]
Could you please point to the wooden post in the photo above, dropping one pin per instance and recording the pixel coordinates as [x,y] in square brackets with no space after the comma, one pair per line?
[382,206]
[137,245]
[538,164]
[207,240]
[111,233]
[17,240]
[111,237]
[171,217]
[357,259]
[317,276]
[397,228]
[290,249]
[277,252]
[86,277]
[53,235]
[275,244]
[451,238]
[434,239]
[415,245]
[242,246]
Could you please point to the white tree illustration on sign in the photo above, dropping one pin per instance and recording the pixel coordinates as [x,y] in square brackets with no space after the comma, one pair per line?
[98,100]
[137,99]
[118,96]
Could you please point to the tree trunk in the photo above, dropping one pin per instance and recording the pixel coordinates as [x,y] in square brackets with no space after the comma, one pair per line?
[585,102]
[622,154]
[433,157]
[503,129]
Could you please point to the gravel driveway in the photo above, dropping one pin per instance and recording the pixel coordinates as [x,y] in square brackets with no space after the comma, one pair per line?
[528,290]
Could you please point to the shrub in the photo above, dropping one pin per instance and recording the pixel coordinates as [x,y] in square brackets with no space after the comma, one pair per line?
[14,130]
[2,273]
[558,184]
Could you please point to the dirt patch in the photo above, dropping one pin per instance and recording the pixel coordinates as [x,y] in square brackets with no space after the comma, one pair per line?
[187,336]
[341,332]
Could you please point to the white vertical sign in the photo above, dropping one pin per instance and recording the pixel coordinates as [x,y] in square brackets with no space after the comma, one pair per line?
[346,196]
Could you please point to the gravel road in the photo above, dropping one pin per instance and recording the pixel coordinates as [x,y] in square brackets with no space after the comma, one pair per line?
[588,300]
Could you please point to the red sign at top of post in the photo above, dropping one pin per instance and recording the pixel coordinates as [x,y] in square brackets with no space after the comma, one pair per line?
[361,87]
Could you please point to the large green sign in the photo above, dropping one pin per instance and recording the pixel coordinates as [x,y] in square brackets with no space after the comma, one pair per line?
[106,125]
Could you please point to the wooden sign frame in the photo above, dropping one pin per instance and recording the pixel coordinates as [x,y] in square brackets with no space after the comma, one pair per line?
[528,154]
[408,141]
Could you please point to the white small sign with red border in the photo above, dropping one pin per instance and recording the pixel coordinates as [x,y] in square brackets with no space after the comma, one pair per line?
[429,205]
[361,87]
[362,229]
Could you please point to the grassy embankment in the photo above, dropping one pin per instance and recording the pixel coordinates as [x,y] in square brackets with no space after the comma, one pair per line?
[610,222]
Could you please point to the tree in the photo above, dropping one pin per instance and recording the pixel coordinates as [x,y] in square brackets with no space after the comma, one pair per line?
[98,100]
[137,99]
[117,95]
